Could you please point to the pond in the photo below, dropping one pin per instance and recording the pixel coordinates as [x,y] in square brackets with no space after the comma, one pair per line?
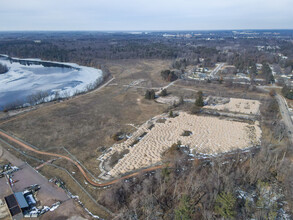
[32,81]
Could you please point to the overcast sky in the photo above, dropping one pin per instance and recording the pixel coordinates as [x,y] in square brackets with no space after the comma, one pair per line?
[145,14]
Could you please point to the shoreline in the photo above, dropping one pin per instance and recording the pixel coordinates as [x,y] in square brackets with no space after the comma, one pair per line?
[52,94]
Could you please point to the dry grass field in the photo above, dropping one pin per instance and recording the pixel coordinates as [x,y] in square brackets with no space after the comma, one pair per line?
[86,123]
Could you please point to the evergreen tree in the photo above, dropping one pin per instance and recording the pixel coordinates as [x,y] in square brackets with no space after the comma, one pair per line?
[153,94]
[150,94]
[267,72]
[225,205]
[147,94]
[199,99]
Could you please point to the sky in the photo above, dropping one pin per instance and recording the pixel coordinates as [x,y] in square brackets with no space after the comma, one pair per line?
[131,15]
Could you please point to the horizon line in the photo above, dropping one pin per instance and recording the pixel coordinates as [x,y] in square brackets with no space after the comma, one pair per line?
[166,30]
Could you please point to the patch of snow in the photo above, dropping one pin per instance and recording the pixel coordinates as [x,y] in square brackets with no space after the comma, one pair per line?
[54,206]
[283,215]
[91,214]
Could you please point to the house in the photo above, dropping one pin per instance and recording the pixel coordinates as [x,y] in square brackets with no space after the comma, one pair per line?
[258,66]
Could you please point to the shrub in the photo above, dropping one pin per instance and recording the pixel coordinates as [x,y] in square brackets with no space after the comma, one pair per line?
[195,110]
[272,93]
[287,92]
[173,151]
[164,92]
[165,173]
[184,210]
[186,133]
[181,100]
[273,107]
[117,136]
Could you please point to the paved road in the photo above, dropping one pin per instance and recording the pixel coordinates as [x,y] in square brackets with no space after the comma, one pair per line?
[216,70]
[286,116]
[20,143]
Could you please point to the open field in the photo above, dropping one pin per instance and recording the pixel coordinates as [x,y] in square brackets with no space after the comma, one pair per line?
[85,124]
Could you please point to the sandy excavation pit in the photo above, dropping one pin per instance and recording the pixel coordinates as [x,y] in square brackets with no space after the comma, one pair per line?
[210,135]
[244,106]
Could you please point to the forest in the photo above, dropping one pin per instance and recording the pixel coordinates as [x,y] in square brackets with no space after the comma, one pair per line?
[89,48]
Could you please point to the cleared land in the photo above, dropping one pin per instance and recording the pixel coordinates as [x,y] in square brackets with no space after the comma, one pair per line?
[209,135]
[244,106]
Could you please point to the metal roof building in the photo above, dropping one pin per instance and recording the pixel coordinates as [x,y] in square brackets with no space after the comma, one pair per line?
[21,200]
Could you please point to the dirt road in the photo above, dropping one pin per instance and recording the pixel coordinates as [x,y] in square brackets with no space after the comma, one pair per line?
[19,143]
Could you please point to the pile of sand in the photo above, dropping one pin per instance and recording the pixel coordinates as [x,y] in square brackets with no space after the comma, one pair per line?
[244,106]
[210,135]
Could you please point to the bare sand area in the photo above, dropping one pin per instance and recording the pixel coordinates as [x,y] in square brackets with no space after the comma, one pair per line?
[209,135]
[244,106]
[169,100]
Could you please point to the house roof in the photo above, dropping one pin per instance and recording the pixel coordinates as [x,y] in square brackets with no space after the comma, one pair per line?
[21,200]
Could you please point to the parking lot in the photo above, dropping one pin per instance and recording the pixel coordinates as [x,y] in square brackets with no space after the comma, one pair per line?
[48,194]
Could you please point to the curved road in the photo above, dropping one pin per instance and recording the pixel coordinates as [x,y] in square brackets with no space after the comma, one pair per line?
[77,164]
